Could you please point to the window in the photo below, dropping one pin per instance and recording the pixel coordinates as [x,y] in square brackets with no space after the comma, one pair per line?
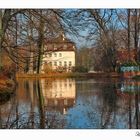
[70,64]
[60,54]
[55,101]
[50,55]
[65,63]
[65,102]
[60,63]
[65,85]
[55,63]
[55,54]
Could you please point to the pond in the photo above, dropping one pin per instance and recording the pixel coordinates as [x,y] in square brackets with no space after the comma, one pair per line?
[72,103]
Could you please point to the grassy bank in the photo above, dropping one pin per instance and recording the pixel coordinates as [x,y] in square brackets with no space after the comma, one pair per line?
[54,75]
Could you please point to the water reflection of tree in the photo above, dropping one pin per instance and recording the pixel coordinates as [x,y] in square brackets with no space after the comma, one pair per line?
[128,102]
[41,106]
[109,105]
[30,92]
[5,114]
[137,114]
[129,109]
[11,117]
[134,110]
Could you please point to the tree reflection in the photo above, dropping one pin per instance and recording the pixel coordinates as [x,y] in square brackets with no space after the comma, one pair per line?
[130,118]
[41,106]
[109,105]
[137,105]
[130,90]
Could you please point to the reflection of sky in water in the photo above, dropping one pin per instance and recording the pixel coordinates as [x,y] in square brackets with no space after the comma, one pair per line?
[81,115]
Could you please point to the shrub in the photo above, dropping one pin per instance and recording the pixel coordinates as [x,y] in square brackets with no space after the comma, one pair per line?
[47,69]
[8,71]
[79,69]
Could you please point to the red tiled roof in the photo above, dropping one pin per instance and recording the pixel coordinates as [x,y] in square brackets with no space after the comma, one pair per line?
[59,44]
[123,55]
[62,47]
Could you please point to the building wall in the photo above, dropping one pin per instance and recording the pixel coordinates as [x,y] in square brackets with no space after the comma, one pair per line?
[59,59]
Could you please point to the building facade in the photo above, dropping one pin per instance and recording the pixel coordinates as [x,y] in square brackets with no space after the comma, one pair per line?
[59,55]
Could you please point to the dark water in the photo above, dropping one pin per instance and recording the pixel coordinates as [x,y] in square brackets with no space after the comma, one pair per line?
[70,103]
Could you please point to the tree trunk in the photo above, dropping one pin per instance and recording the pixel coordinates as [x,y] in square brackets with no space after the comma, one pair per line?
[40,43]
[1,39]
[128,33]
[136,34]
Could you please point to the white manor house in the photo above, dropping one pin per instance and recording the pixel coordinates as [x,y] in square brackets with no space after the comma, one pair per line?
[59,55]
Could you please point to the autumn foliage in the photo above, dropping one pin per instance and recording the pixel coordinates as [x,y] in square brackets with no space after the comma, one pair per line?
[7,72]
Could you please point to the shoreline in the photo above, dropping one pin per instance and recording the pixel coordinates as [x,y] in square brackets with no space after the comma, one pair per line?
[70,75]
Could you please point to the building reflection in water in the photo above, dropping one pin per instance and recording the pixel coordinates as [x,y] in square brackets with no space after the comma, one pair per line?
[59,94]
[129,86]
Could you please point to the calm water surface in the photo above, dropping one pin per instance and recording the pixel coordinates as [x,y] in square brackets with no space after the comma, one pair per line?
[73,103]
